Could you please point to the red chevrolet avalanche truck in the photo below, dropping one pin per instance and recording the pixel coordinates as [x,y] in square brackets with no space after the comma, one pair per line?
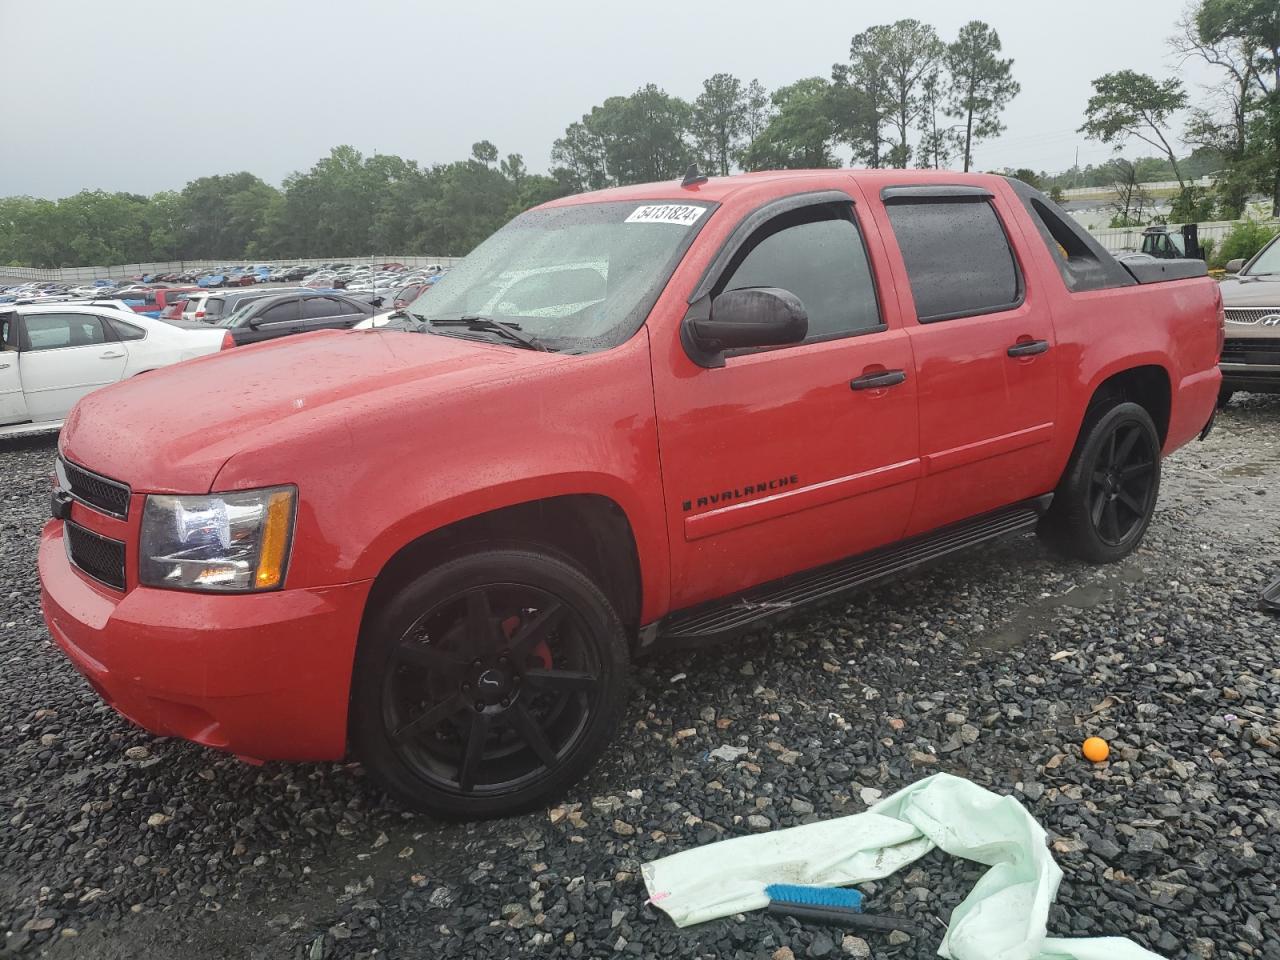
[647,415]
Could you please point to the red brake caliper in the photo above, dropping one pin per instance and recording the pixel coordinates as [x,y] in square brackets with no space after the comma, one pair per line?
[541,651]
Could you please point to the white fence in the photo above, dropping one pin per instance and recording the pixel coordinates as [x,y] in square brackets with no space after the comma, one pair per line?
[86,274]
[1122,239]
[1110,190]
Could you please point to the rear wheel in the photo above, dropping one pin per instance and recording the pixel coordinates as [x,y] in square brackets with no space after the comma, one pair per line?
[489,684]
[1224,397]
[1105,501]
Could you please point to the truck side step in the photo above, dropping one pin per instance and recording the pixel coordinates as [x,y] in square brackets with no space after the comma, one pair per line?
[731,615]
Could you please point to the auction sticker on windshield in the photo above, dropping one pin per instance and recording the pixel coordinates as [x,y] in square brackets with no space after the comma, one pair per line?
[682,214]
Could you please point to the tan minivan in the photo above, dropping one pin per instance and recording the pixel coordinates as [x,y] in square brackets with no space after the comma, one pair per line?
[1251,353]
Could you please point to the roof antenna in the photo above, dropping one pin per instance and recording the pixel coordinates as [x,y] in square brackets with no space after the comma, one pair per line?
[693,176]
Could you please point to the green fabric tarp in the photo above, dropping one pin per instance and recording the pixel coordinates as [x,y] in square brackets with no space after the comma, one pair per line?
[1003,918]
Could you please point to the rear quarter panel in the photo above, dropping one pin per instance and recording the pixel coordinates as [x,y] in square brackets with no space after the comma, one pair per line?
[1173,325]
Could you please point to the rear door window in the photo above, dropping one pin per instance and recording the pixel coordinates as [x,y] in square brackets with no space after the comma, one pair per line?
[959,260]
[123,330]
[317,308]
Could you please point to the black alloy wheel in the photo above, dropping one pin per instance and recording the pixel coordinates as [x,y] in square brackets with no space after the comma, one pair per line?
[1107,495]
[501,683]
[1123,482]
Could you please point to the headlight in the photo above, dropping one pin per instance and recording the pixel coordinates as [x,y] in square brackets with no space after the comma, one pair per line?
[226,542]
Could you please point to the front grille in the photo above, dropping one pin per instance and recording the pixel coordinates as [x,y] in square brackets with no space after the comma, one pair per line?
[98,556]
[1250,316]
[109,496]
[1253,350]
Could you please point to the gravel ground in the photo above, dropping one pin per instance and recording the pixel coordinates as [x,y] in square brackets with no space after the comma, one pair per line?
[994,667]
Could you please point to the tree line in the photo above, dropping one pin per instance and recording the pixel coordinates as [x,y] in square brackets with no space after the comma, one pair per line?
[1235,120]
[905,96]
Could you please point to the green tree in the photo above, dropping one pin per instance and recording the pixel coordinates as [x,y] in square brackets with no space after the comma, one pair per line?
[1027,176]
[1127,104]
[938,144]
[982,84]
[719,121]
[801,134]
[1255,26]
[635,139]
[484,152]
[222,214]
[860,97]
[581,155]
[908,53]
[1243,241]
[757,112]
[645,135]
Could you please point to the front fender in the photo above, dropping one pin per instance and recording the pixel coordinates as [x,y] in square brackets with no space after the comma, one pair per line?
[646,524]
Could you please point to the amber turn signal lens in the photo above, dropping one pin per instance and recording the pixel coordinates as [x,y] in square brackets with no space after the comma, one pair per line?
[275,540]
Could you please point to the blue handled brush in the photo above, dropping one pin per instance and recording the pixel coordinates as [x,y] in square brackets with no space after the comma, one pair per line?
[834,906]
[841,898]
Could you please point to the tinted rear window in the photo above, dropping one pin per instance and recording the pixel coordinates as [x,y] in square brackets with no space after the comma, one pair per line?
[958,258]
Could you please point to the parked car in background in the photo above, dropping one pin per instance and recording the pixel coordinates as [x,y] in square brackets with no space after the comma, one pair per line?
[212,307]
[1251,350]
[270,317]
[53,355]
[175,306]
[141,300]
[410,292]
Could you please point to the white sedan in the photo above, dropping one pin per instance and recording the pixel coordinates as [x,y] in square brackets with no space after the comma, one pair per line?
[51,355]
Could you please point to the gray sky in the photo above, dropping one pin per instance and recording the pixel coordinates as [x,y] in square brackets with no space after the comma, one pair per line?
[144,95]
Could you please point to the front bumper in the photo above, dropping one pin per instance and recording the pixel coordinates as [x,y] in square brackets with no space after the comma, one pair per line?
[266,676]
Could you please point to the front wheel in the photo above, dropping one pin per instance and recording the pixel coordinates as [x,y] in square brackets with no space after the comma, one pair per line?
[488,685]
[1105,501]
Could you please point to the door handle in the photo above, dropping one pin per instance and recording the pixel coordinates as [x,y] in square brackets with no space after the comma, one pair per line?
[110,355]
[4,366]
[877,380]
[1028,348]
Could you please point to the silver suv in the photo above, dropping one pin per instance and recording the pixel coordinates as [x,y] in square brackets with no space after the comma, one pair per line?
[1251,353]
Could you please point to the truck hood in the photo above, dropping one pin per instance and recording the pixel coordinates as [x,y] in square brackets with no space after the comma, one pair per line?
[171,430]
[1251,292]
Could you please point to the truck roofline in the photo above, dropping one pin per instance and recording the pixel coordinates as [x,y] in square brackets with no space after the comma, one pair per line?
[719,189]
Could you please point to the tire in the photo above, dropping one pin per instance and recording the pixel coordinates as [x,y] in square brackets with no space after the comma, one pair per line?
[488,685]
[1107,496]
[1224,397]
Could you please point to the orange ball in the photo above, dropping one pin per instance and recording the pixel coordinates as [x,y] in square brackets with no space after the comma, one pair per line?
[1095,749]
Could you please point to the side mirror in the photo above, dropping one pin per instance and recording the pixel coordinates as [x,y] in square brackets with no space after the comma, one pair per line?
[255,323]
[754,317]
[1236,265]
[376,301]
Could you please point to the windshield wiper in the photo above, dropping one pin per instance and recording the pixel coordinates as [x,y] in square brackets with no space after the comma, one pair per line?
[511,331]
[414,321]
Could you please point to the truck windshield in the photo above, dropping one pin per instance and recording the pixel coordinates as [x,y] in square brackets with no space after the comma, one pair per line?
[578,278]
